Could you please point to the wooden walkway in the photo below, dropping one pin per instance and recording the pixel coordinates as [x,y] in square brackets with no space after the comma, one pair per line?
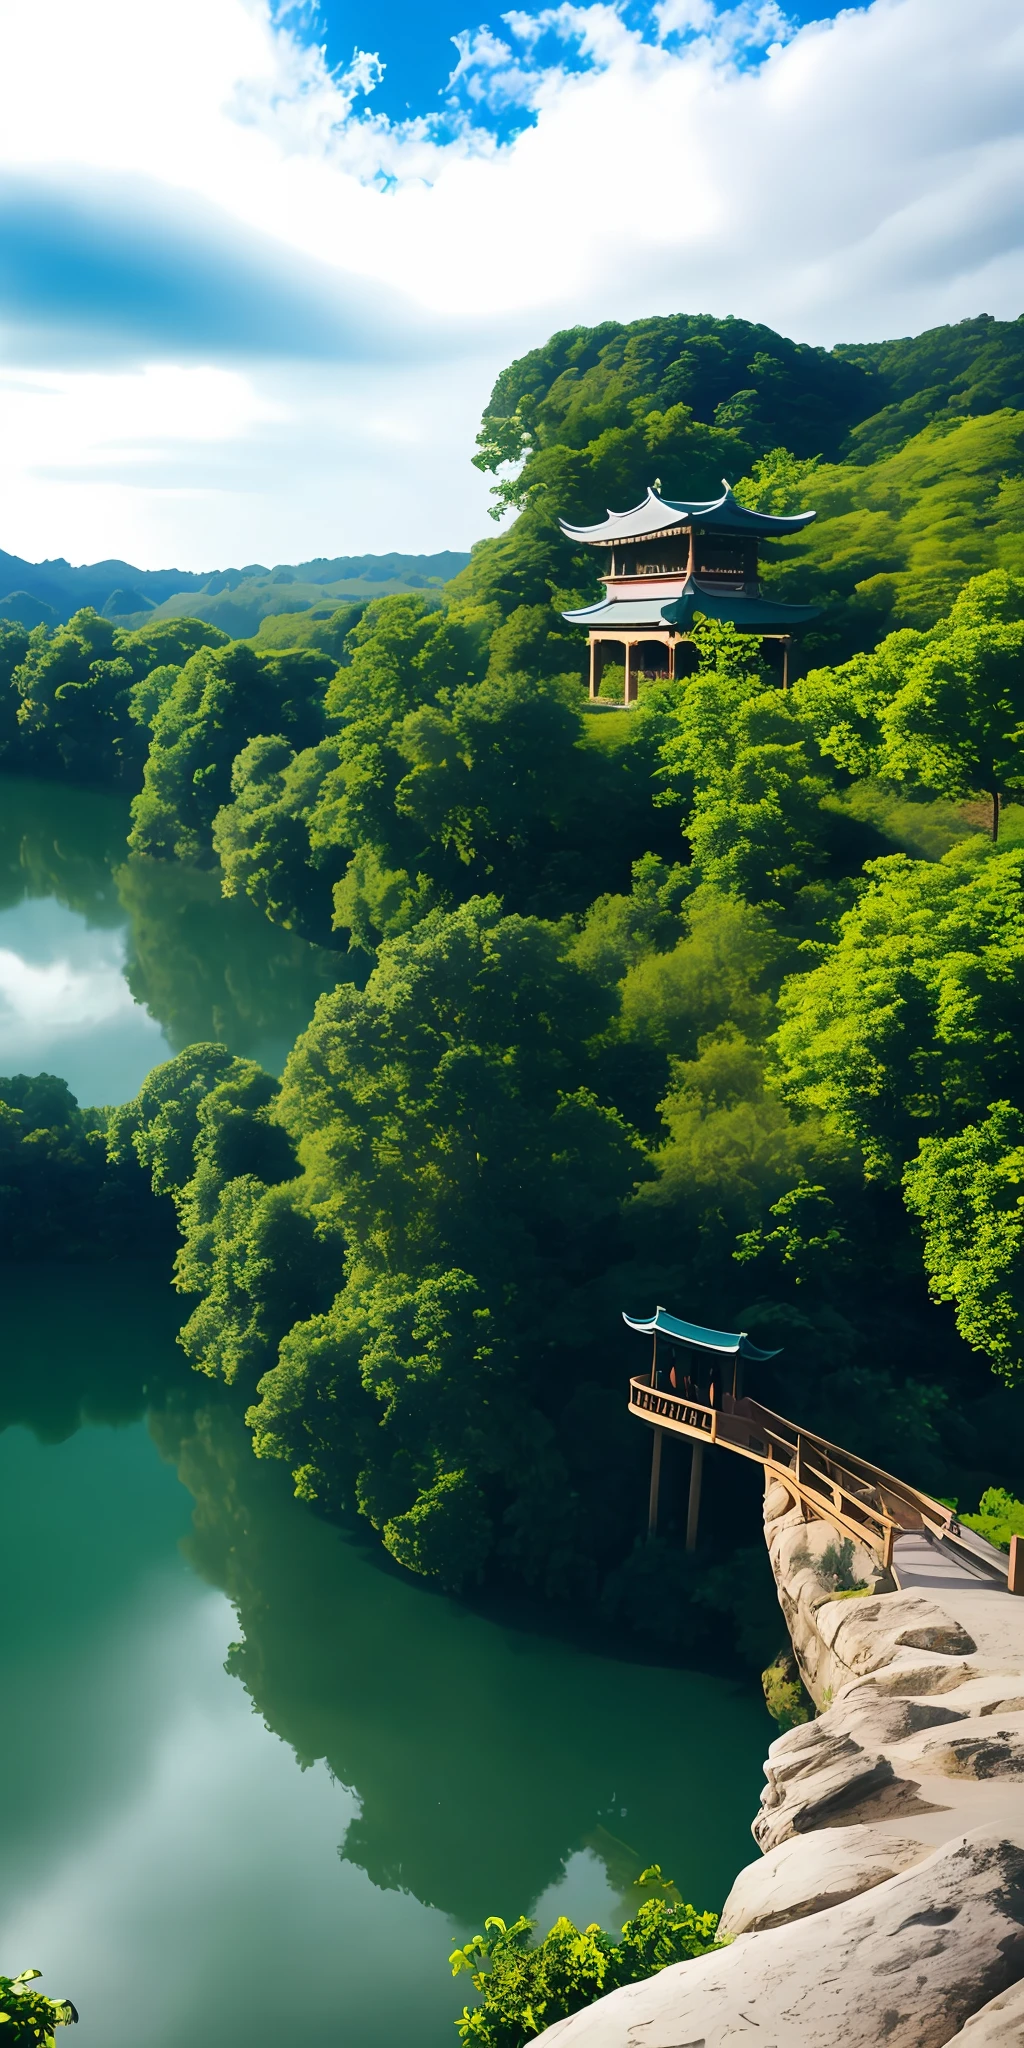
[860,1499]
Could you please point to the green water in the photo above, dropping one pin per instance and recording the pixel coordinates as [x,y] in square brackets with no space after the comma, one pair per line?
[254,1783]
[109,963]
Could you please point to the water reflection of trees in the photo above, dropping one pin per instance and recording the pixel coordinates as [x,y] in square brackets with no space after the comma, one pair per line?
[483,1756]
[210,967]
[59,841]
[205,967]
[87,1343]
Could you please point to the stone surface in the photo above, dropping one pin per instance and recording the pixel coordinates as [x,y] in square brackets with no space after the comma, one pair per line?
[888,1907]
[905,1965]
[809,1873]
[999,2024]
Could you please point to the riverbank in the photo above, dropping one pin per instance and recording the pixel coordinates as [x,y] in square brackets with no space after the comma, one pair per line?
[888,1903]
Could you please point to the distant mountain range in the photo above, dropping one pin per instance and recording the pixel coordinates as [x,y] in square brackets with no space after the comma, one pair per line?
[47,593]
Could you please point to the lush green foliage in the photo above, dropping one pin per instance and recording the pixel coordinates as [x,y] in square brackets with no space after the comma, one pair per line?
[453,766]
[326,630]
[973,368]
[999,1517]
[919,489]
[525,1986]
[30,2019]
[587,380]
[219,697]
[910,1026]
[942,709]
[707,1087]
[310,604]
[88,693]
[784,1694]
[907,1038]
[714,1004]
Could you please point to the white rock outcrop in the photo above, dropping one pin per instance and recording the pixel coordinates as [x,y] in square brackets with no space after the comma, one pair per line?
[887,1906]
[809,1873]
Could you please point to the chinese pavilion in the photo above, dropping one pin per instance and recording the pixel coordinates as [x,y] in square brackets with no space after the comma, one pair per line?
[665,561]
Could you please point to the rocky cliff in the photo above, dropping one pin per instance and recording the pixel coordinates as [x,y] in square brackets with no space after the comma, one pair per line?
[887,1905]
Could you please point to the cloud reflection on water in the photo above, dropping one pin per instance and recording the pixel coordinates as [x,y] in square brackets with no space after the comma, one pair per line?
[203,1884]
[66,1007]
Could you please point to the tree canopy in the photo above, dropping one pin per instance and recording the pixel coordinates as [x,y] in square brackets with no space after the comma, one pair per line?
[714,1003]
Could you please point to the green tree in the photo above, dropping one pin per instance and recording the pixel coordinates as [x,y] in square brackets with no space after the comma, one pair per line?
[913,1020]
[13,649]
[452,771]
[202,1126]
[220,698]
[720,971]
[80,693]
[441,1118]
[957,722]
[942,709]
[31,2019]
[445,1109]
[780,482]
[741,763]
[263,837]
[618,931]
[730,1153]
[967,1192]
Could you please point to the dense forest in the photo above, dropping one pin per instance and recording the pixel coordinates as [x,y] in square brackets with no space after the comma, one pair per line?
[713,1004]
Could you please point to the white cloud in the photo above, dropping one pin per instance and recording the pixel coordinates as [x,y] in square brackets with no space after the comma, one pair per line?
[861,178]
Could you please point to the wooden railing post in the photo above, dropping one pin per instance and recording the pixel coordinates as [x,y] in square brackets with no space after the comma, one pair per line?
[1015,1575]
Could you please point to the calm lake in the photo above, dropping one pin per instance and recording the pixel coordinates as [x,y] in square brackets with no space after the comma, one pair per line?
[255,1783]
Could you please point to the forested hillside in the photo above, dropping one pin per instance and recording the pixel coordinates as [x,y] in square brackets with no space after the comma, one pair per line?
[236,600]
[912,452]
[717,1003]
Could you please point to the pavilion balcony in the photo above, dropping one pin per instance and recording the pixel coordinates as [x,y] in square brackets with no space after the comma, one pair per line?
[865,1503]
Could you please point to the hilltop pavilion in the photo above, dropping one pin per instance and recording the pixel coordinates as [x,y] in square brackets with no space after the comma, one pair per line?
[666,560]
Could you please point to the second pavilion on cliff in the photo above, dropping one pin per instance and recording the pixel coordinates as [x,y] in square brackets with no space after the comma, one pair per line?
[667,560]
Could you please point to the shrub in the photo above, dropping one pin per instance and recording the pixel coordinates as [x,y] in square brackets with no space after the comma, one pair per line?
[784,1694]
[999,1517]
[525,1986]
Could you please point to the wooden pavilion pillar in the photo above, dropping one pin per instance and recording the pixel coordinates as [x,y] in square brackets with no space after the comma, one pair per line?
[693,1504]
[652,1506]
[628,693]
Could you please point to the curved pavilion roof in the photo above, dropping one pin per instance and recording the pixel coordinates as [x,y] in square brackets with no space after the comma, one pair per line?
[633,614]
[730,1343]
[661,516]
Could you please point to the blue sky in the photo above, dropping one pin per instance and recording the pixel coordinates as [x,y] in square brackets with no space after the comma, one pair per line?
[417,46]
[261,261]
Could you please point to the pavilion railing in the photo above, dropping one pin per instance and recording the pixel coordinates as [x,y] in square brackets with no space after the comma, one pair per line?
[863,1501]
